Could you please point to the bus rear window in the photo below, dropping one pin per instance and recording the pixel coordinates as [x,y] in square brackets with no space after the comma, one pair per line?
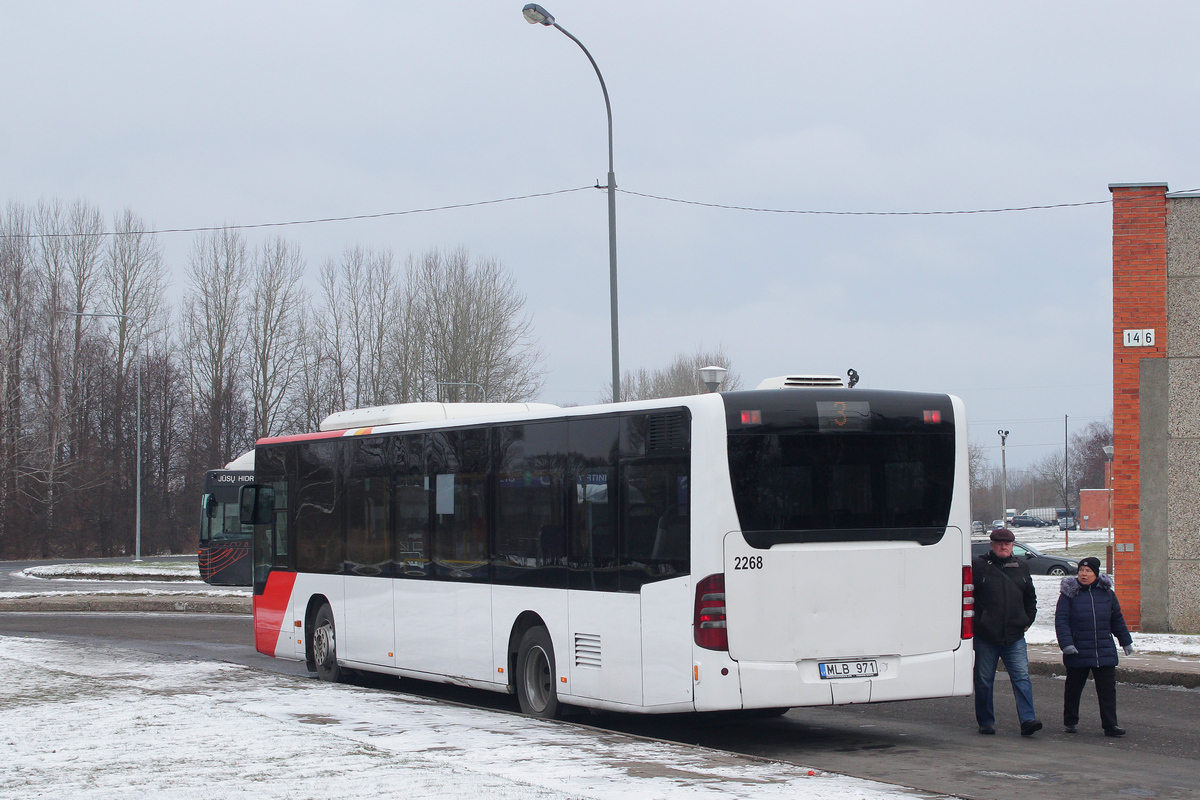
[813,486]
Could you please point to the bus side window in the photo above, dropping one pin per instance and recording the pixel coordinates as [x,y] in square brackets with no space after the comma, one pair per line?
[280,531]
[319,507]
[459,461]
[655,498]
[592,446]
[412,497]
[368,503]
[530,547]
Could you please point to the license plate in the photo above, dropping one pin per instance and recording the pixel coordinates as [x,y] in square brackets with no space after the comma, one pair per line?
[848,669]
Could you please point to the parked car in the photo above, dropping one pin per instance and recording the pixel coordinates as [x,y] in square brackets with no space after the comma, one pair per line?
[1026,521]
[997,524]
[977,528]
[1068,524]
[1039,563]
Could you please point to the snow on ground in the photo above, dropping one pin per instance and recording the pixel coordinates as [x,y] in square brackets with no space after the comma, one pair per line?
[1051,540]
[187,570]
[1042,632]
[109,723]
[229,592]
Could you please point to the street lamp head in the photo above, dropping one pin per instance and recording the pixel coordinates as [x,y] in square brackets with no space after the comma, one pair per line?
[1108,451]
[711,377]
[535,14]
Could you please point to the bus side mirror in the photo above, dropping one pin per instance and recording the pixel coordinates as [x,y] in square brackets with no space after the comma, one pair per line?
[210,506]
[256,504]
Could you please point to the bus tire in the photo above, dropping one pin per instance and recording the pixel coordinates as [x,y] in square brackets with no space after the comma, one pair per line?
[324,646]
[535,679]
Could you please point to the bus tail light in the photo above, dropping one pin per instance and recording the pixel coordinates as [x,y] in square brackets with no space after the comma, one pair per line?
[709,623]
[968,604]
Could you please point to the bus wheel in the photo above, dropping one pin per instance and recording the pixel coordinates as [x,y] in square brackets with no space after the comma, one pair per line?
[535,675]
[324,645]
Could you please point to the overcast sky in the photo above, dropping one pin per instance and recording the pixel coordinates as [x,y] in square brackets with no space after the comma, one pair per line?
[210,113]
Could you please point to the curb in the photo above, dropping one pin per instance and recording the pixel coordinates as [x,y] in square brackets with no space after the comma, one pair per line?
[1148,677]
[129,604]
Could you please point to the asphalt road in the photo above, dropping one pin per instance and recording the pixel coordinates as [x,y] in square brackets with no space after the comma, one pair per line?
[929,745]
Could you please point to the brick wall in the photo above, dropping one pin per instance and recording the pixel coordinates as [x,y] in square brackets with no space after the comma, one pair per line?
[1139,301]
[1093,509]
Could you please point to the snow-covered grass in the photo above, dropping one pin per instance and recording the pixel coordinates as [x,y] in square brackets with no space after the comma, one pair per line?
[100,722]
[1042,632]
[224,592]
[186,570]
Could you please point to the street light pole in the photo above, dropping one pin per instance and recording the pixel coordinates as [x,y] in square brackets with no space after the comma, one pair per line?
[1003,479]
[1108,484]
[137,528]
[535,14]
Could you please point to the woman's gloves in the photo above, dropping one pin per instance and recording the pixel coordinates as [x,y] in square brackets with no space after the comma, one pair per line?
[1128,649]
[1071,650]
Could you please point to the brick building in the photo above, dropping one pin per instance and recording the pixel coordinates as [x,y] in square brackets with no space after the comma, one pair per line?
[1156,405]
[1093,509]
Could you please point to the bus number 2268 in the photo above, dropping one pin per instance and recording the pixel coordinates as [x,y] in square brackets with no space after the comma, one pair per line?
[747,562]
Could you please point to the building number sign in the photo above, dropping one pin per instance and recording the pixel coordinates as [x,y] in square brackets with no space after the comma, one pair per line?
[1139,337]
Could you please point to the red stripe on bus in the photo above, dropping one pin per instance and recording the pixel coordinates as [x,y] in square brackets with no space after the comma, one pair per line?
[269,610]
[302,437]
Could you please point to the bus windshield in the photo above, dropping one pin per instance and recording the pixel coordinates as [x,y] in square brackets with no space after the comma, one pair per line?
[870,470]
[219,520]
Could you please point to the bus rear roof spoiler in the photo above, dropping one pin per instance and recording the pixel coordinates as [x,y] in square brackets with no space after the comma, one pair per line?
[422,412]
[800,381]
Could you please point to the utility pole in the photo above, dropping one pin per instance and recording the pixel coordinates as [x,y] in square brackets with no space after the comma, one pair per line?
[1003,479]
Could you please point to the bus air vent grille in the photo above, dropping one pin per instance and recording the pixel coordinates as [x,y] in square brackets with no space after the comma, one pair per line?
[800,381]
[587,650]
[665,432]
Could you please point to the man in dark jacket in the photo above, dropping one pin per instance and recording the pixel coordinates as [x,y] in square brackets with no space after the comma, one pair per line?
[1005,605]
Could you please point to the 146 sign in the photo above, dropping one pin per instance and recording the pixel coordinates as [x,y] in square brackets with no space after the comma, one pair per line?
[1139,337]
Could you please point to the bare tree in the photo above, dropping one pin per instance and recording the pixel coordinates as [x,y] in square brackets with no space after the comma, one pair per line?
[678,379]
[1051,470]
[317,391]
[408,345]
[978,465]
[16,314]
[1087,454]
[214,330]
[477,329]
[275,311]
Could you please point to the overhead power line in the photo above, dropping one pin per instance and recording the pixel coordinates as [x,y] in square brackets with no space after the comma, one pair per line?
[454,206]
[825,212]
[206,228]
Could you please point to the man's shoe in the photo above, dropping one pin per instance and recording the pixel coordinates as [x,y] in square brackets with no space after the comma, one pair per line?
[1114,731]
[1069,729]
[987,730]
[1030,726]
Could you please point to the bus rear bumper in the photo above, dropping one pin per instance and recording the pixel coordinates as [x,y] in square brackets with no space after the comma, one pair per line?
[796,684]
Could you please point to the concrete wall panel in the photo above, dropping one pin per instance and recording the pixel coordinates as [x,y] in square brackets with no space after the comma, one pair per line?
[1183,237]
[1183,500]
[1185,597]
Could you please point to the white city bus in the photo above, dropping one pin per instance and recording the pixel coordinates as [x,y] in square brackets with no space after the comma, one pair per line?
[760,549]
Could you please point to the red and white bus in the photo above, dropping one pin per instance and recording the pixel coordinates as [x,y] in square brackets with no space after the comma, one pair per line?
[760,549]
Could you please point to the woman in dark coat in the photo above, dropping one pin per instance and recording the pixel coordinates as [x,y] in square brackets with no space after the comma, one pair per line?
[1086,620]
